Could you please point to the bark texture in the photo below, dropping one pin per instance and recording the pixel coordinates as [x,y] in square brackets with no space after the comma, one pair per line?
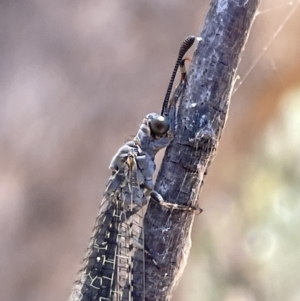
[202,114]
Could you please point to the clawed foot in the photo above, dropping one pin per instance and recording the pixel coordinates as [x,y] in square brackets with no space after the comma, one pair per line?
[159,199]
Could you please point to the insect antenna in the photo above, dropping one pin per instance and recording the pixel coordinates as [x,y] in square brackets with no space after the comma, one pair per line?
[185,46]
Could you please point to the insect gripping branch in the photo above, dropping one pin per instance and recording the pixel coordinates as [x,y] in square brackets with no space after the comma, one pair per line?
[117,242]
[137,257]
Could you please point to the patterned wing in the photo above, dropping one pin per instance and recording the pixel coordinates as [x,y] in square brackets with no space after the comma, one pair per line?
[107,272]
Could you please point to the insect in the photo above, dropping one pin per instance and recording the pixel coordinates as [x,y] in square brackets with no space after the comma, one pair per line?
[107,266]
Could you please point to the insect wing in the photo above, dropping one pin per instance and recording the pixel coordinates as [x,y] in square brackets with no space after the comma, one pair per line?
[130,239]
[107,272]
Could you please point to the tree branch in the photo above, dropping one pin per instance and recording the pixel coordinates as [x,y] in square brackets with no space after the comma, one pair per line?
[201,117]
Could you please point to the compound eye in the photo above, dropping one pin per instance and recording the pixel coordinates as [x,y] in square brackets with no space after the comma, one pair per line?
[159,126]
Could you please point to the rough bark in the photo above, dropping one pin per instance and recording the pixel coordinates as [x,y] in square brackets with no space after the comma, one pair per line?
[201,117]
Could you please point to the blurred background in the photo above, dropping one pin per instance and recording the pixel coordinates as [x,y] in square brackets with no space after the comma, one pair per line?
[76,79]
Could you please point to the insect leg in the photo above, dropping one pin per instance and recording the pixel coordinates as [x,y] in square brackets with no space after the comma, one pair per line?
[159,199]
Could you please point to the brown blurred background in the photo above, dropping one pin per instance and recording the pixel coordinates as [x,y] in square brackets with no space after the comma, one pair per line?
[76,79]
